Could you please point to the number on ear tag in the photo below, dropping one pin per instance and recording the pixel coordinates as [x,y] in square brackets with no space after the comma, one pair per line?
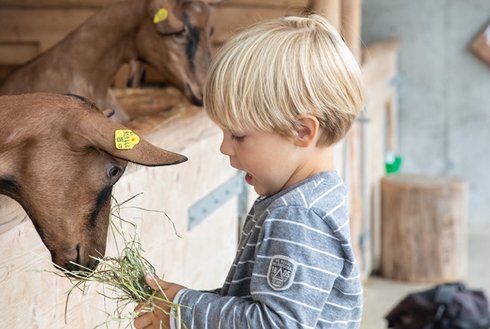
[125,139]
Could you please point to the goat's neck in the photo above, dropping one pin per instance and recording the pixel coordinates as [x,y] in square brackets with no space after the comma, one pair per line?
[104,42]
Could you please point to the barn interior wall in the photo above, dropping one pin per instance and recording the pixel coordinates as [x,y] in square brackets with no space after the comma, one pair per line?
[444,91]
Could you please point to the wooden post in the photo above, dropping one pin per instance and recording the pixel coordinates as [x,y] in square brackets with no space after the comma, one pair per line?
[331,9]
[424,222]
[350,29]
[351,25]
[345,15]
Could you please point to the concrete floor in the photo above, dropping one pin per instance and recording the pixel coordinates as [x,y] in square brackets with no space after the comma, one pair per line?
[381,295]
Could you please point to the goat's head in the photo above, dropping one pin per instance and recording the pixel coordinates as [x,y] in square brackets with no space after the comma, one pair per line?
[174,38]
[59,161]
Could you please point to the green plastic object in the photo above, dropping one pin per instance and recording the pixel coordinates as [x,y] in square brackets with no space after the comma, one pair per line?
[393,163]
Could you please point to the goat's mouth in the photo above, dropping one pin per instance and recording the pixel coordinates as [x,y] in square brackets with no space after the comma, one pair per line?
[74,268]
[73,263]
[77,271]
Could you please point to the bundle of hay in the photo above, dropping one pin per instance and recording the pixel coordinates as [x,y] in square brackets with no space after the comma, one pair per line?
[123,277]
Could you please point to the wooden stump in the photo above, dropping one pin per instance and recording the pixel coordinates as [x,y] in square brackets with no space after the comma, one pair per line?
[424,233]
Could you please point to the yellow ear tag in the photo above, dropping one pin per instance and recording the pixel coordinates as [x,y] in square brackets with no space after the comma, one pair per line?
[160,16]
[125,139]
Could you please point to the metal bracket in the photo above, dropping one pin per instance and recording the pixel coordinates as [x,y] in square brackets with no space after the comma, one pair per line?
[215,199]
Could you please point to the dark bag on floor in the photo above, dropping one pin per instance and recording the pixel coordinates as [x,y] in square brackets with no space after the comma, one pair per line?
[446,306]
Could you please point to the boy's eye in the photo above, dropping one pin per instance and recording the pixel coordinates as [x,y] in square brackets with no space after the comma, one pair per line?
[237,138]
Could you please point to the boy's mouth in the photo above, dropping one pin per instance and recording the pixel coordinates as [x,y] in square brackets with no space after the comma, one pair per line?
[248,179]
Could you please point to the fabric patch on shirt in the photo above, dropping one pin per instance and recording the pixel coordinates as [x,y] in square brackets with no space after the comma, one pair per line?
[281,272]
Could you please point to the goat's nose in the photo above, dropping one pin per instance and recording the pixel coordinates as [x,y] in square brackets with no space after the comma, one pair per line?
[195,99]
[72,258]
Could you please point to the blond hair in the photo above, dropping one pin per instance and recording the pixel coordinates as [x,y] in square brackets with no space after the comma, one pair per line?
[267,76]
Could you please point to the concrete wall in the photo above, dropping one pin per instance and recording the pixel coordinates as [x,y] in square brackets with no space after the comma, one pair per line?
[444,91]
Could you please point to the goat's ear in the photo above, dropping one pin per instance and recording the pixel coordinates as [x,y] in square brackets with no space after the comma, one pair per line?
[99,132]
[163,14]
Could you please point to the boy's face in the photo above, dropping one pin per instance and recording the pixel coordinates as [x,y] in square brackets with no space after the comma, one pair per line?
[271,161]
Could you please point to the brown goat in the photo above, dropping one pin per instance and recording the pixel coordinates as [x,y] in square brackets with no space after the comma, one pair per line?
[86,61]
[58,159]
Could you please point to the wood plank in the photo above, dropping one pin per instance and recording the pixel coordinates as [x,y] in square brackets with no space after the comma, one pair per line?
[351,26]
[43,26]
[230,20]
[11,214]
[265,3]
[331,9]
[45,4]
[17,53]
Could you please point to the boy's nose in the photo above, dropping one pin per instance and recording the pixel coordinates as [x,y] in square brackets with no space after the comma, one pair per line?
[225,147]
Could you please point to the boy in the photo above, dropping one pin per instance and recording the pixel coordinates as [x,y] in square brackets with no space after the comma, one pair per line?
[283,92]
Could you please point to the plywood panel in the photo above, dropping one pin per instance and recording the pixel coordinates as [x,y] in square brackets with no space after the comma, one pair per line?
[331,9]
[43,4]
[32,296]
[44,27]
[18,53]
[11,214]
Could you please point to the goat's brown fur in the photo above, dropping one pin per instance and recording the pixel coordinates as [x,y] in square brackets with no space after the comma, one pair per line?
[86,61]
[59,161]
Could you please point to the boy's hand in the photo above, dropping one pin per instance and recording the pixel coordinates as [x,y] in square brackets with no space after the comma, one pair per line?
[159,317]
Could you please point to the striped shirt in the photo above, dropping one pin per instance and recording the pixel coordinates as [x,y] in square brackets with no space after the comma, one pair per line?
[294,267]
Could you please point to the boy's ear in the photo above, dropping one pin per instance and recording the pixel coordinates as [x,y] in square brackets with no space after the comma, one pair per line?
[307,130]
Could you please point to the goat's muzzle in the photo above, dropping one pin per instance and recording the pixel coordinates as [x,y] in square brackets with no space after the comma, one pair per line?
[194,99]
[72,260]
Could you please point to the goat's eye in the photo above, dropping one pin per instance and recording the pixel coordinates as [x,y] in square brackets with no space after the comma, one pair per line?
[114,172]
